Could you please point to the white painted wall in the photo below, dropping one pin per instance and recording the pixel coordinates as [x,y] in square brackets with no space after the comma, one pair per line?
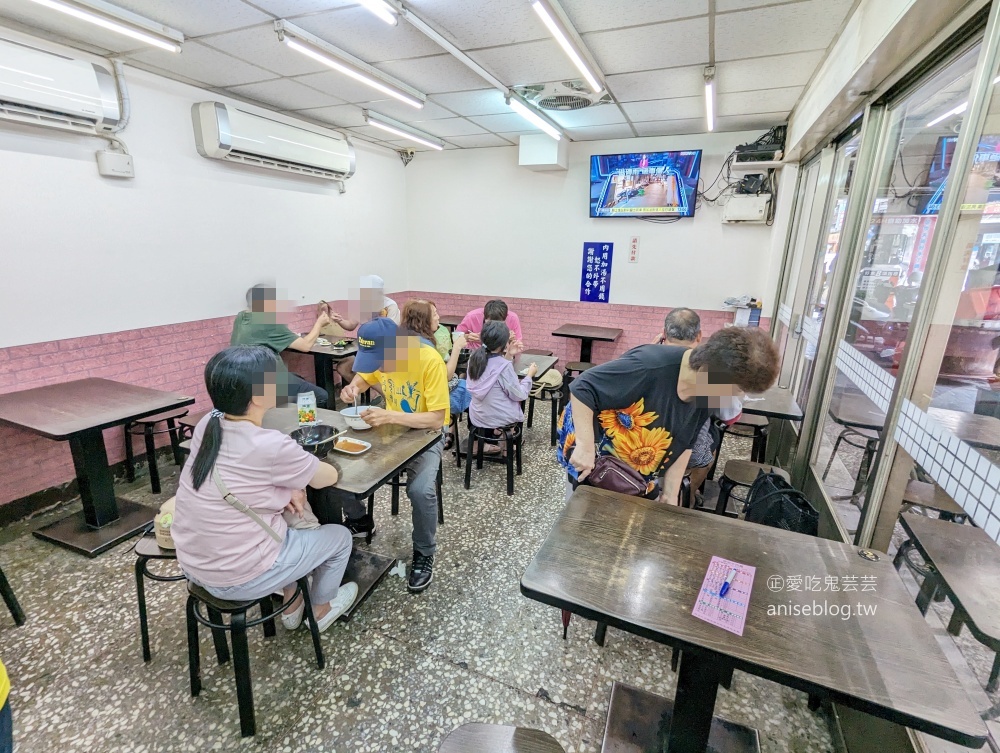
[82,254]
[480,224]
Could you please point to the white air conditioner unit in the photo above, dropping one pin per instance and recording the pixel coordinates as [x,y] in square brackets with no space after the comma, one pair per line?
[228,133]
[42,88]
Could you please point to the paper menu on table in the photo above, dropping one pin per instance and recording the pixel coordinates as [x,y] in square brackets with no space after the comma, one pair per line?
[728,612]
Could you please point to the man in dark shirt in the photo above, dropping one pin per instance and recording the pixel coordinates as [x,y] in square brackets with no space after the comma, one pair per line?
[261,325]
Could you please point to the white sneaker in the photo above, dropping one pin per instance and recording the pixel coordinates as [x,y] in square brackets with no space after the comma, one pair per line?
[346,597]
[291,620]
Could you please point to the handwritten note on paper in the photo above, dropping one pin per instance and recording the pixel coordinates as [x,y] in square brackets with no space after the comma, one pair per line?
[728,612]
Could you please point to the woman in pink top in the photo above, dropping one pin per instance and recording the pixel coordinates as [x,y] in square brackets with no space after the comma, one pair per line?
[226,551]
[493,311]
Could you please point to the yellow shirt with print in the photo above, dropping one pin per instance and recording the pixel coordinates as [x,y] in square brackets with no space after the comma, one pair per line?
[421,388]
[4,685]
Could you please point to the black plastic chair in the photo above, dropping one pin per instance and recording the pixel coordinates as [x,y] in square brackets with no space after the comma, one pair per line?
[512,436]
[147,428]
[238,625]
[11,600]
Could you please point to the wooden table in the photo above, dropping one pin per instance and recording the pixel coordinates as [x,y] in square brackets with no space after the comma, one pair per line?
[638,566]
[78,412]
[324,359]
[525,360]
[450,322]
[965,564]
[777,402]
[587,335]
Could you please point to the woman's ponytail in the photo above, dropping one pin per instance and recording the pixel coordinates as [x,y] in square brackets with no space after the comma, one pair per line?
[208,450]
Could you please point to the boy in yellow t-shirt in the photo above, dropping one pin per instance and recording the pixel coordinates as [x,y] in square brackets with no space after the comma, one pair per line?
[6,720]
[414,381]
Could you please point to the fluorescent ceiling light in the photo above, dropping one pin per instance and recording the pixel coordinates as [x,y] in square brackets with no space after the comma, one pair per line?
[710,97]
[557,30]
[533,117]
[403,130]
[955,111]
[381,9]
[343,62]
[120,21]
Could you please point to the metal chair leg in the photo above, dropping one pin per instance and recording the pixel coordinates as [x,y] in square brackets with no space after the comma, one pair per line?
[194,656]
[468,459]
[439,488]
[313,624]
[897,561]
[140,592]
[11,600]
[154,472]
[508,439]
[267,608]
[518,443]
[129,455]
[175,441]
[836,445]
[395,495]
[219,636]
[601,633]
[531,410]
[725,488]
[991,686]
[241,668]
[553,421]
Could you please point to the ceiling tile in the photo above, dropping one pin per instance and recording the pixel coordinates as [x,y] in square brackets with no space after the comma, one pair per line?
[482,102]
[345,116]
[196,17]
[507,122]
[200,63]
[447,128]
[260,46]
[769,72]
[284,94]
[809,25]
[593,133]
[340,86]
[393,108]
[725,6]
[411,145]
[665,109]
[361,33]
[765,100]
[648,47]
[482,23]
[750,122]
[591,15]
[529,63]
[438,73]
[668,82]
[671,127]
[475,142]
[588,116]
[292,8]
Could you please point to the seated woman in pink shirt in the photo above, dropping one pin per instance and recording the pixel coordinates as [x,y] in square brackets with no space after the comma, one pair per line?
[493,311]
[226,551]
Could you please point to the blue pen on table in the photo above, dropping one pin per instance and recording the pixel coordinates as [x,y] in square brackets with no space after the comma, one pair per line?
[728,583]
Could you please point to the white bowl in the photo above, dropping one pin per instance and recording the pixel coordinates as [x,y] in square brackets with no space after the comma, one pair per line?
[353,419]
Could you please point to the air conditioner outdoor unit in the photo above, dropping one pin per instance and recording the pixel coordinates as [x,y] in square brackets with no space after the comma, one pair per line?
[43,88]
[228,133]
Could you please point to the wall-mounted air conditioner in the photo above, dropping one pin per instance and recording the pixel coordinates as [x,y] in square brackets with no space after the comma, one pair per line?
[229,133]
[42,88]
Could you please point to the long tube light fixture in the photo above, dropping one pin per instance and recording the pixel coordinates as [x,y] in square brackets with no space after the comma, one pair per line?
[532,115]
[382,9]
[402,130]
[569,41]
[120,21]
[710,97]
[312,46]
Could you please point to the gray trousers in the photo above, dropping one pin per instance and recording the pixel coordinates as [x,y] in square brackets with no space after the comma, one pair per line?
[421,475]
[322,551]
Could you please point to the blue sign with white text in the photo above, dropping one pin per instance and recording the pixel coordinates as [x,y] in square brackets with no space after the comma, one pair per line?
[595,281]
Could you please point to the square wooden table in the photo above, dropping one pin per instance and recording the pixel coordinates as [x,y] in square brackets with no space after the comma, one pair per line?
[777,402]
[544,363]
[78,412]
[638,565]
[450,322]
[587,335]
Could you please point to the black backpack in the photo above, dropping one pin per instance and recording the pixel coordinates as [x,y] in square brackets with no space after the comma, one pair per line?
[774,502]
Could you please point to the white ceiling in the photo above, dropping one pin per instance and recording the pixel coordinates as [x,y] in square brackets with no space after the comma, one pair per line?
[651,52]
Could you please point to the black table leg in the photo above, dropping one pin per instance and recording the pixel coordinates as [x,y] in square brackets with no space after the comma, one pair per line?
[694,703]
[324,368]
[926,593]
[586,346]
[104,521]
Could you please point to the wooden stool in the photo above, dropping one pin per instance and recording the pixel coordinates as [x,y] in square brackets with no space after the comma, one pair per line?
[496,738]
[512,436]
[536,352]
[741,473]
[147,549]
[147,427]
[553,396]
[237,626]
[932,497]
[11,600]
[187,424]
[755,428]
[870,438]
[572,371]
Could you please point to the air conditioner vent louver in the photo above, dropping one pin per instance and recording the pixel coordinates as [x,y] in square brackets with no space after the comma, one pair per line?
[562,95]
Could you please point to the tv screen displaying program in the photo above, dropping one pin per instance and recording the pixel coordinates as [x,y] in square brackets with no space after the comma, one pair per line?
[647,184]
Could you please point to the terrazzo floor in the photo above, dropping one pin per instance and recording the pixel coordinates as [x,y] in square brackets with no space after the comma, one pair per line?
[401,675]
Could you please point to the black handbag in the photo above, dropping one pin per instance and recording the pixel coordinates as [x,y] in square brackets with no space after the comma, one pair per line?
[774,502]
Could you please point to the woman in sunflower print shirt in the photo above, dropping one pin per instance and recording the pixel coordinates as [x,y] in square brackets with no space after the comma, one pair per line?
[646,407]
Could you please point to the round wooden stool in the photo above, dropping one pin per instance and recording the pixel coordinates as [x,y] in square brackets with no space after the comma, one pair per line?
[742,473]
[497,738]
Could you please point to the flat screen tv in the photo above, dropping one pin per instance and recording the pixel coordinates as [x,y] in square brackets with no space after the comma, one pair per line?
[644,184]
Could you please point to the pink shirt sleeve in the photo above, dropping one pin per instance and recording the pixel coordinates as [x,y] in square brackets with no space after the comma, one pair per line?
[515,325]
[471,322]
[292,467]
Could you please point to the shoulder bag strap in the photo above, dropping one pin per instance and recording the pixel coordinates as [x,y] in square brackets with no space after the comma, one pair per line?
[235,502]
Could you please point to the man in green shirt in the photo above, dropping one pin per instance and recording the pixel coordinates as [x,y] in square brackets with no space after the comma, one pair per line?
[261,325]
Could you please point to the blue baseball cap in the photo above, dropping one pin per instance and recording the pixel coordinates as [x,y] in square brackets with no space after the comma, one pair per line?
[373,339]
